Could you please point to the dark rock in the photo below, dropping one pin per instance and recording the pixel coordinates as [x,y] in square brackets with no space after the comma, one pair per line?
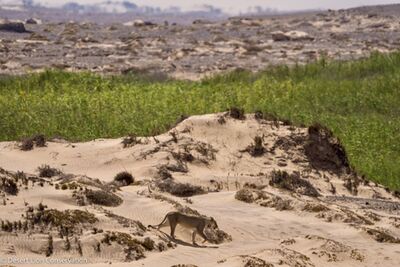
[32,21]
[13,27]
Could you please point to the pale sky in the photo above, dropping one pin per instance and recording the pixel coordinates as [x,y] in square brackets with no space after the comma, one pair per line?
[233,6]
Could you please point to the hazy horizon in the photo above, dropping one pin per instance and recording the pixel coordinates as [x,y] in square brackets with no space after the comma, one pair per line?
[236,6]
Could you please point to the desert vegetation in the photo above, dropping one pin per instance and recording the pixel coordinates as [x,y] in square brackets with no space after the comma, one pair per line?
[103,198]
[124,178]
[47,172]
[179,189]
[293,182]
[357,100]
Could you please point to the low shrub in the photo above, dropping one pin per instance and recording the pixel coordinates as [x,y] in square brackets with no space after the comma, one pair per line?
[130,141]
[9,186]
[245,195]
[29,142]
[179,189]
[46,171]
[124,178]
[103,198]
[293,182]
[236,113]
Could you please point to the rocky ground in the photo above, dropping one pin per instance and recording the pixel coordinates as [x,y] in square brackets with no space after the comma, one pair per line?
[193,50]
[281,196]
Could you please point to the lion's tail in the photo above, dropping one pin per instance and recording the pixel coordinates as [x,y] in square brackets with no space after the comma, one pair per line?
[157,226]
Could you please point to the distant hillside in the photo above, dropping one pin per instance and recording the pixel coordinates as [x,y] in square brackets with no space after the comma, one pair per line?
[387,10]
[12,4]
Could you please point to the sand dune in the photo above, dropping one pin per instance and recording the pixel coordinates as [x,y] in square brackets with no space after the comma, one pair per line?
[285,195]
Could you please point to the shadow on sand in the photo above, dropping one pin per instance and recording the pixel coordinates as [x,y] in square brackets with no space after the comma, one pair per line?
[165,237]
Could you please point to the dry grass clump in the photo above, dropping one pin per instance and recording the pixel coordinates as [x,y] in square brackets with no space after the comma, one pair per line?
[149,244]
[256,149]
[221,120]
[71,186]
[28,143]
[124,178]
[196,151]
[272,201]
[177,167]
[46,171]
[276,120]
[293,182]
[184,156]
[40,140]
[332,246]
[66,219]
[135,227]
[206,151]
[236,113]
[134,249]
[351,183]
[130,141]
[163,173]
[352,217]
[251,261]
[103,198]
[382,236]
[315,207]
[9,186]
[344,215]
[264,199]
[245,195]
[179,189]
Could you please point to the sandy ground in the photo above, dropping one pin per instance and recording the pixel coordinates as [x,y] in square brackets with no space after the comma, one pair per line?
[335,218]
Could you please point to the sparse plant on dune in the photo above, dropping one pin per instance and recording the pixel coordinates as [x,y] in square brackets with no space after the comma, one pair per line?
[130,141]
[124,178]
[237,113]
[9,186]
[103,198]
[179,189]
[256,149]
[28,143]
[293,182]
[46,171]
[245,195]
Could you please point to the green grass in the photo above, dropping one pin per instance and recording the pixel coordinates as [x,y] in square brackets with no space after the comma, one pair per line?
[359,101]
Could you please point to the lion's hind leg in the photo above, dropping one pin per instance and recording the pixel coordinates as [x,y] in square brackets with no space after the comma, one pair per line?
[173,231]
[194,237]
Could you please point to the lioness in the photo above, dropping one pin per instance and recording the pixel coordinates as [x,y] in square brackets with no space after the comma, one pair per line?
[188,221]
